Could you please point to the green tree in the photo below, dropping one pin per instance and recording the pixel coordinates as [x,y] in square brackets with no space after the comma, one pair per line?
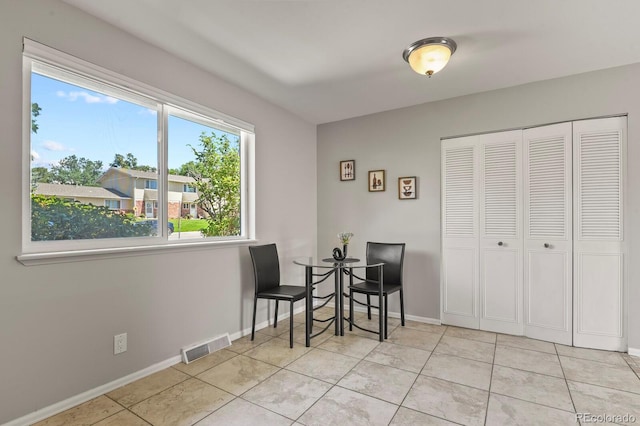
[35,111]
[40,175]
[144,168]
[216,171]
[76,171]
[129,162]
[53,218]
[184,170]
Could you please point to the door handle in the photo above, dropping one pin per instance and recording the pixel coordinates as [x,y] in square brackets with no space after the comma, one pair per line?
[500,243]
[547,245]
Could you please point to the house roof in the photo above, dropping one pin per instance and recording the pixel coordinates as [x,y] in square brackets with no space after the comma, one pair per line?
[147,175]
[61,190]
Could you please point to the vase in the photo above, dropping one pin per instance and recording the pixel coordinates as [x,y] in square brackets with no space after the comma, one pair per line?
[340,255]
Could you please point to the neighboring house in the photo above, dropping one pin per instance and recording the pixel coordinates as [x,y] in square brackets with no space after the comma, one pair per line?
[96,195]
[132,191]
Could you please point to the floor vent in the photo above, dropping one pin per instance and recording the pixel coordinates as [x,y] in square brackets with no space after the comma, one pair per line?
[197,351]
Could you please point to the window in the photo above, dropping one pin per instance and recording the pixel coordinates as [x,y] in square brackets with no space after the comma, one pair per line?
[112,204]
[100,134]
[214,162]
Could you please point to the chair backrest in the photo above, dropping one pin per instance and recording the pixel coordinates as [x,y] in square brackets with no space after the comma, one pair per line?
[392,255]
[266,266]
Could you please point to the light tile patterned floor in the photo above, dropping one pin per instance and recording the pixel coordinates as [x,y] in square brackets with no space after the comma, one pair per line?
[422,374]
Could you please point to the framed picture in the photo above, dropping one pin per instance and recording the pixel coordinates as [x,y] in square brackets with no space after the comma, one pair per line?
[407,188]
[376,181]
[348,170]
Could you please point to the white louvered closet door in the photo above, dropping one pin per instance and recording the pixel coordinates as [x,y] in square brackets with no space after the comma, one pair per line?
[501,232]
[547,232]
[599,270]
[459,276]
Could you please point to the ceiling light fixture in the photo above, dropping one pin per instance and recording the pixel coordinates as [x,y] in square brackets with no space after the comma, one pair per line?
[429,55]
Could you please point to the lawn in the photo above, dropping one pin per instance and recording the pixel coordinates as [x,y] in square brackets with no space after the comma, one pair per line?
[188,225]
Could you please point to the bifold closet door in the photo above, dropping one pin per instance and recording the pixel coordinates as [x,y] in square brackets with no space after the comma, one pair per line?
[459,168]
[548,233]
[599,151]
[501,232]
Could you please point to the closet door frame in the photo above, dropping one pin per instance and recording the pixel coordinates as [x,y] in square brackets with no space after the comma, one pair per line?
[593,315]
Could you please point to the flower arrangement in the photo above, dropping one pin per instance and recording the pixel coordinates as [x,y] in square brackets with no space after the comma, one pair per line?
[345,237]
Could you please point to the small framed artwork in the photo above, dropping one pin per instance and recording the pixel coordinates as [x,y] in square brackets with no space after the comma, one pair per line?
[376,181]
[348,170]
[407,188]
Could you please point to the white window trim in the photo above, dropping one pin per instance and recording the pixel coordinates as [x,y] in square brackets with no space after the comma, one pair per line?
[43,252]
[53,57]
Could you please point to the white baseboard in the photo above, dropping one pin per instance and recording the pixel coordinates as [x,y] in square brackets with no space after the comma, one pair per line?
[425,320]
[68,403]
[634,352]
[264,324]
[61,406]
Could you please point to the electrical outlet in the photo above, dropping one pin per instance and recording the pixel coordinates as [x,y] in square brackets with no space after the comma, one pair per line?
[119,343]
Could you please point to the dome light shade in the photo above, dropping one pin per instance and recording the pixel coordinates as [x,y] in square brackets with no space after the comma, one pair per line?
[430,55]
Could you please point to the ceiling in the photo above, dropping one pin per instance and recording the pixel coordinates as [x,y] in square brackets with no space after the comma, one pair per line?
[328,60]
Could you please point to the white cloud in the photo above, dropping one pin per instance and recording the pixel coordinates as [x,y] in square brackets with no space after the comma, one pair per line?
[147,111]
[34,155]
[88,98]
[54,146]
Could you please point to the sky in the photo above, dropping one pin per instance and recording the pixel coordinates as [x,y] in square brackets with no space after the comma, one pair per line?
[81,122]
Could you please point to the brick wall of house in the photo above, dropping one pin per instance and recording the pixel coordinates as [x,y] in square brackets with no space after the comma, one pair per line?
[174,210]
[199,212]
[139,208]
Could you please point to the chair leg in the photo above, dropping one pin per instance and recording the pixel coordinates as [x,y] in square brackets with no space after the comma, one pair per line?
[381,318]
[253,324]
[275,317]
[351,310]
[386,317]
[401,307]
[291,325]
[368,306]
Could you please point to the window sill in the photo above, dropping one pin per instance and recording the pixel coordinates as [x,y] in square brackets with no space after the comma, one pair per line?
[35,259]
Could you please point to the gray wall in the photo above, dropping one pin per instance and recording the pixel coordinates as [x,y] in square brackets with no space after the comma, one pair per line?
[57,322]
[406,142]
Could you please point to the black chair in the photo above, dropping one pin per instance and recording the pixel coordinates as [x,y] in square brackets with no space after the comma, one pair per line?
[266,270]
[392,255]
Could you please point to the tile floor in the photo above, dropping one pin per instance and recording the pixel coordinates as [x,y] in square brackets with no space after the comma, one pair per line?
[422,374]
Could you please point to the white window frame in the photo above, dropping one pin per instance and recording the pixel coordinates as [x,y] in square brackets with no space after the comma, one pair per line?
[148,184]
[39,252]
